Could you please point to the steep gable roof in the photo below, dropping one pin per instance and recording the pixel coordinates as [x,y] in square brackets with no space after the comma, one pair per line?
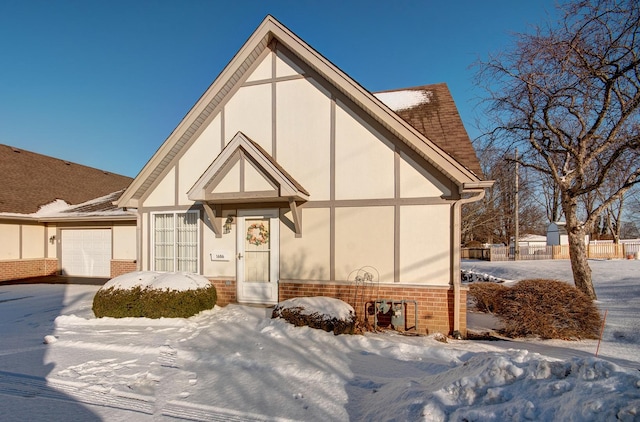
[30,180]
[270,31]
[431,110]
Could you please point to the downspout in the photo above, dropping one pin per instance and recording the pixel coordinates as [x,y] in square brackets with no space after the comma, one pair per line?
[478,194]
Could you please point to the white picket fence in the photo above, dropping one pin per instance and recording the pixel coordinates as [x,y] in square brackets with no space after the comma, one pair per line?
[628,250]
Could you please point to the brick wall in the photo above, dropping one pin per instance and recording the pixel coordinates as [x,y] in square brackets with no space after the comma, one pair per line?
[435,304]
[25,268]
[226,290]
[122,266]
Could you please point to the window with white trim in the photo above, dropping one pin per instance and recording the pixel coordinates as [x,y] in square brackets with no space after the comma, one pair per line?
[175,241]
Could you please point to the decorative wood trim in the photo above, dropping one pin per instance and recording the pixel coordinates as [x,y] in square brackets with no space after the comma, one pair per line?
[215,217]
[284,186]
[297,217]
[274,117]
[377,202]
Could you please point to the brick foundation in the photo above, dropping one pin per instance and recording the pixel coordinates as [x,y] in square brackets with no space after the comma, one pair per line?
[226,290]
[435,304]
[26,268]
[122,266]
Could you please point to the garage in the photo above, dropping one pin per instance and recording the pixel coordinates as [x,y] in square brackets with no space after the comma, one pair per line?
[86,252]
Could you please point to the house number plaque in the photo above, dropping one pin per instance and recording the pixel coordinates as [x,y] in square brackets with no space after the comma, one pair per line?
[220,255]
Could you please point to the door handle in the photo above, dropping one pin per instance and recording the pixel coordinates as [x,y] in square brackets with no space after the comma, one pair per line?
[239,256]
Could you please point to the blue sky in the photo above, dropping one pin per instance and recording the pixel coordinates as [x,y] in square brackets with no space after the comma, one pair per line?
[103,83]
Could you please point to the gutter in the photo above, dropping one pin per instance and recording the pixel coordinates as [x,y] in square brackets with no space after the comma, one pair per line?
[70,219]
[74,219]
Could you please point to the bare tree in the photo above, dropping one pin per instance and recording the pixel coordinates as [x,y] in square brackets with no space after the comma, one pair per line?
[631,225]
[492,219]
[550,195]
[570,94]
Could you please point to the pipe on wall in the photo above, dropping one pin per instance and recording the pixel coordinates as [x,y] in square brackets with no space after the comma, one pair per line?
[478,194]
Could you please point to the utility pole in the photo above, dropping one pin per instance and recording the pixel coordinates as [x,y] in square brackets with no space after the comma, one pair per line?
[516,250]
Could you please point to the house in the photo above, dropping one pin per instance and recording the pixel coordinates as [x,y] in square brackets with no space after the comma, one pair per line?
[531,244]
[58,217]
[287,176]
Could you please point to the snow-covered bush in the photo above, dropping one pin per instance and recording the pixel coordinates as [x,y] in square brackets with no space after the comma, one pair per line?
[325,313]
[154,295]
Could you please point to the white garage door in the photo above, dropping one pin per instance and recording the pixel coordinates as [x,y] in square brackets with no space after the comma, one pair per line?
[86,253]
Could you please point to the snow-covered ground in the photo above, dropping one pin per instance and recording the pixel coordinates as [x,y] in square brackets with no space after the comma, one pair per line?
[236,363]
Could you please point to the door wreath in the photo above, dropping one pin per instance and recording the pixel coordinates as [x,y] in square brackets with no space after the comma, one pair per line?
[257,234]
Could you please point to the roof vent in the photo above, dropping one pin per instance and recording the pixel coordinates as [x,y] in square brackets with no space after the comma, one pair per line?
[16,150]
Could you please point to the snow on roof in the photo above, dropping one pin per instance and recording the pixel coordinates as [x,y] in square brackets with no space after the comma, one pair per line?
[54,207]
[402,100]
[59,208]
[533,238]
[179,281]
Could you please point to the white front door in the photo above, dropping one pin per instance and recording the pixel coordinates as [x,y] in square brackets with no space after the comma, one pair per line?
[258,256]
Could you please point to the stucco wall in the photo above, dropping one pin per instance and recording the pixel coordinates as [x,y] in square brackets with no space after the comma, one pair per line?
[226,244]
[364,160]
[33,241]
[124,242]
[424,246]
[198,157]
[364,237]
[250,111]
[306,257]
[303,134]
[164,193]
[10,243]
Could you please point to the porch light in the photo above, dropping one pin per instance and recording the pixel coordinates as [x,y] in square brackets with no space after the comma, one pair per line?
[227,224]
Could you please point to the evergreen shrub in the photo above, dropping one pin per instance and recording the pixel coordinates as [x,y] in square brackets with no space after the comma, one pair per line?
[153,303]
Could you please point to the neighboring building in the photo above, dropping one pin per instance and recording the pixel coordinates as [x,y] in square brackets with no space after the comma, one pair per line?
[287,176]
[59,217]
[557,233]
[531,243]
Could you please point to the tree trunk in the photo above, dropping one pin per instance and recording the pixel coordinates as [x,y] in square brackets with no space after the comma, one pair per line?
[578,253]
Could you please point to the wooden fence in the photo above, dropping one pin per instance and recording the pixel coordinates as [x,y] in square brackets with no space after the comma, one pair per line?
[594,251]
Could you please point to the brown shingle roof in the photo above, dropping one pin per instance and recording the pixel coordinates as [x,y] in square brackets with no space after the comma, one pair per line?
[29,180]
[437,118]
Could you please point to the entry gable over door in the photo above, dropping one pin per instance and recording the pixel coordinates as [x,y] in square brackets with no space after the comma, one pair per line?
[243,172]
